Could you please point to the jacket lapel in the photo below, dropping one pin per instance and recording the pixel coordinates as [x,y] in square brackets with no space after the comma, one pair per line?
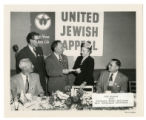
[21,83]
[29,51]
[84,61]
[31,83]
[106,77]
[57,61]
[117,79]
[65,62]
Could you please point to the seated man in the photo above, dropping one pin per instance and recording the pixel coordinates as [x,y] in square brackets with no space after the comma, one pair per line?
[112,80]
[26,82]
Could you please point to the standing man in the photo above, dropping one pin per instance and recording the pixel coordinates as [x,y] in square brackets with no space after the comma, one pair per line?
[35,54]
[112,80]
[56,67]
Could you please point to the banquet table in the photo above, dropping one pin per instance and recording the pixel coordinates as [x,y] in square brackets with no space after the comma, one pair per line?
[43,103]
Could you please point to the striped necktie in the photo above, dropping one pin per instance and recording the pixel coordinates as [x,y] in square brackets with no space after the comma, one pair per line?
[26,85]
[60,59]
[111,78]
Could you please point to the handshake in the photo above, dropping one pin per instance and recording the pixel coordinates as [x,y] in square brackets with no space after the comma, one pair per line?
[66,71]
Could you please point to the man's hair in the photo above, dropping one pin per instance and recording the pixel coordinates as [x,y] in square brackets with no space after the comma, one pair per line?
[118,62]
[54,44]
[23,63]
[31,36]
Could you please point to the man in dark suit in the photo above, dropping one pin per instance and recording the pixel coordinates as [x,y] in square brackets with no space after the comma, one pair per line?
[26,81]
[112,80]
[35,54]
[56,67]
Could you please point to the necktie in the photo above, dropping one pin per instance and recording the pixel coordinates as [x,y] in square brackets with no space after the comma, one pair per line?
[62,62]
[111,78]
[34,49]
[60,58]
[26,85]
[110,84]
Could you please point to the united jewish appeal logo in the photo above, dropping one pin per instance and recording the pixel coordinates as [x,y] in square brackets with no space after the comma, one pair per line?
[42,21]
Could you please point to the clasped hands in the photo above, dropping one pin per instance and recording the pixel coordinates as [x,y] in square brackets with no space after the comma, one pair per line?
[66,71]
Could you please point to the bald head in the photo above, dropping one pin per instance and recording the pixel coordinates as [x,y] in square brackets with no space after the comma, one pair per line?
[26,65]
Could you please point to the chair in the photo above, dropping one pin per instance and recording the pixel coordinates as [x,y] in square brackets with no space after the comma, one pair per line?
[132,86]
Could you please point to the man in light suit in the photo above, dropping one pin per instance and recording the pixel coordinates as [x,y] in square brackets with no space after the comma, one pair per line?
[26,81]
[112,80]
[56,67]
[35,54]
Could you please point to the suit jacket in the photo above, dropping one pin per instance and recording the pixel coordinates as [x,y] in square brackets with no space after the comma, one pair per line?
[87,68]
[120,83]
[57,80]
[17,85]
[37,61]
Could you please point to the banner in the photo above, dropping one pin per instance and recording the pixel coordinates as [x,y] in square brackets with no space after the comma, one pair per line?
[72,28]
[44,24]
[75,27]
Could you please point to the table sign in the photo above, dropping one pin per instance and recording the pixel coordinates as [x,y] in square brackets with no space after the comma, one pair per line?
[113,100]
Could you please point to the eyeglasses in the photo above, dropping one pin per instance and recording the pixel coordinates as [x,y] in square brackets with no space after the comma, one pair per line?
[35,39]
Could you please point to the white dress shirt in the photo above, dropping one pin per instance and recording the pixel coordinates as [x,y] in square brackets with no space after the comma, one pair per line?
[57,55]
[32,49]
[113,78]
[24,78]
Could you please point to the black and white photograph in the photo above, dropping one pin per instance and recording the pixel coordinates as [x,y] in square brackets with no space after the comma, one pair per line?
[82,59]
